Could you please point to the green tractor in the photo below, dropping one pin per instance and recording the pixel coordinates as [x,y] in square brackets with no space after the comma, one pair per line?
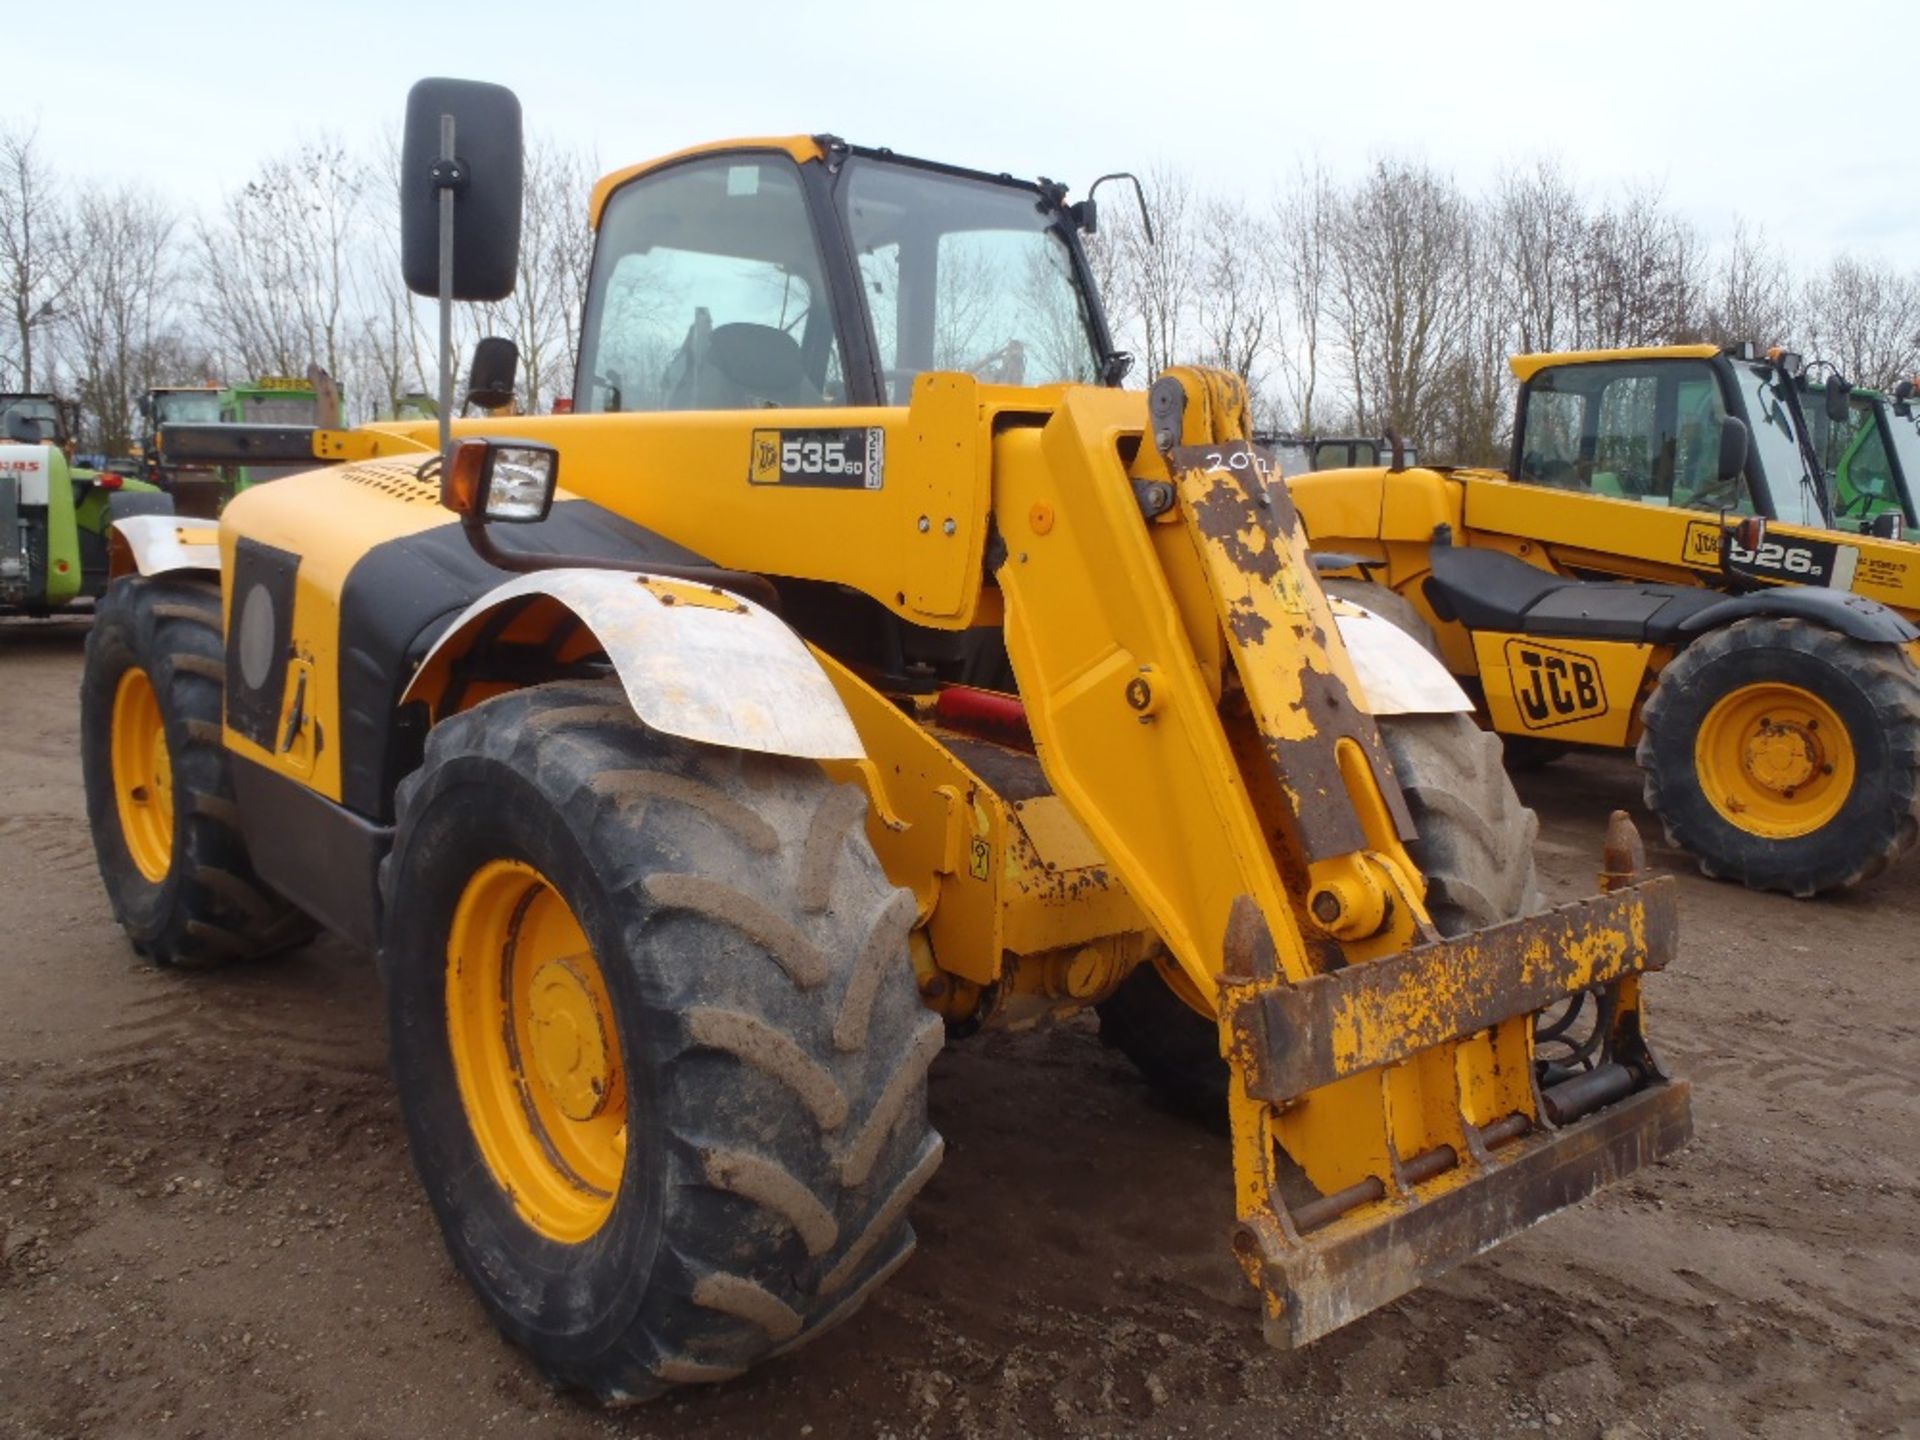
[54,516]
[277,400]
[1872,457]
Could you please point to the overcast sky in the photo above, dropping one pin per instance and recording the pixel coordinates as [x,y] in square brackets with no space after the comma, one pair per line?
[1728,106]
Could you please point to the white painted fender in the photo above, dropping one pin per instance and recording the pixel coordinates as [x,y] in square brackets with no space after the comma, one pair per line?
[158,544]
[1398,675]
[695,662]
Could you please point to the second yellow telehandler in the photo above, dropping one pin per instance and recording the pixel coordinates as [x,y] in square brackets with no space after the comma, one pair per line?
[1658,568]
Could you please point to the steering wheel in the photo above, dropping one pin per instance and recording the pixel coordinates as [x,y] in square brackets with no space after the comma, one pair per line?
[1717,495]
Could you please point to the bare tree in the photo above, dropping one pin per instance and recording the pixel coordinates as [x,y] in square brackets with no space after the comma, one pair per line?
[278,269]
[1538,231]
[1751,295]
[115,323]
[1236,313]
[36,255]
[1304,221]
[1641,269]
[1159,275]
[541,316]
[1864,316]
[1401,272]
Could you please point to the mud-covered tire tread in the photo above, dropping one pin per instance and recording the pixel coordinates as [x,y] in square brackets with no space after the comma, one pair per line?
[211,908]
[784,1160]
[1475,841]
[1475,848]
[1880,822]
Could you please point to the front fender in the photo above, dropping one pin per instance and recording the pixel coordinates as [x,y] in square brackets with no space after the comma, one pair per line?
[1398,675]
[157,544]
[695,661]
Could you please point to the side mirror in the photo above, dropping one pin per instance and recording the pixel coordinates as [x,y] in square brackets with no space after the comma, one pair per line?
[484,177]
[1887,525]
[496,364]
[1733,448]
[1839,398]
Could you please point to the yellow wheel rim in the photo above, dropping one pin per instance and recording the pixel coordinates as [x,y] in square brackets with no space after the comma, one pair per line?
[142,775]
[535,1050]
[1775,760]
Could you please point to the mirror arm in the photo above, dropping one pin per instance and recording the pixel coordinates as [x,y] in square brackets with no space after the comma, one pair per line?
[756,588]
[446,179]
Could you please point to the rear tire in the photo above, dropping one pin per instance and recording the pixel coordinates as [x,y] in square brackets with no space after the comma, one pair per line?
[171,855]
[1475,847]
[1713,775]
[769,1046]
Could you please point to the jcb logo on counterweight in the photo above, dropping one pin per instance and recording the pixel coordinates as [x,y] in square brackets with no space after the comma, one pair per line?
[1553,686]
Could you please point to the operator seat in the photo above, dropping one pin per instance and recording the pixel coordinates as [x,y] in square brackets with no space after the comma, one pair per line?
[738,366]
[1492,590]
[749,366]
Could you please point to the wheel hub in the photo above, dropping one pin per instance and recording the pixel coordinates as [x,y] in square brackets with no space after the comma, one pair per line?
[1783,756]
[569,1034]
[1775,759]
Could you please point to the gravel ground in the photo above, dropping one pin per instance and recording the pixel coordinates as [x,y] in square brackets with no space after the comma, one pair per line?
[209,1226]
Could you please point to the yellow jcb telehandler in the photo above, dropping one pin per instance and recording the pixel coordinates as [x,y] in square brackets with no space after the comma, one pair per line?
[1659,567]
[878,674]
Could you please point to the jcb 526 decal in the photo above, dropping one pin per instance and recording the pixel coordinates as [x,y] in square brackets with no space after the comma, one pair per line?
[1792,558]
[1552,686]
[837,458]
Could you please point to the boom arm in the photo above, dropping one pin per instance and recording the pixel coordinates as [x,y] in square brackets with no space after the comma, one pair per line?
[1193,704]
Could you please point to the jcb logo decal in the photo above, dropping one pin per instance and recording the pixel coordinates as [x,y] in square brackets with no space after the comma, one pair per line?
[1552,686]
[1702,545]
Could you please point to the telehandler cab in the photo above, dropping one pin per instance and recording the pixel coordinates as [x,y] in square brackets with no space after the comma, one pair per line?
[1660,567]
[877,676]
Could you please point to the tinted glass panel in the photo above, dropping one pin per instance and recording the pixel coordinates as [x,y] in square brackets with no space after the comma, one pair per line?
[1647,432]
[963,274]
[708,294]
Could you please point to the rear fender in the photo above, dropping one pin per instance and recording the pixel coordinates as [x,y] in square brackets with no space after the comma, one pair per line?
[1851,615]
[1398,675]
[695,661]
[160,544]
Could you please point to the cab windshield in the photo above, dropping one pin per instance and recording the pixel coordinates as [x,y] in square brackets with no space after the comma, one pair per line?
[965,274]
[1794,492]
[274,407]
[193,407]
[28,413]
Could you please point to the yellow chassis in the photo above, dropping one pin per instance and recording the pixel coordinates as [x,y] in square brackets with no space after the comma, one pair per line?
[1216,797]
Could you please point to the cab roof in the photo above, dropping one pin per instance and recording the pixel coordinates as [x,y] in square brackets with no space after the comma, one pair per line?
[1525,367]
[801,148]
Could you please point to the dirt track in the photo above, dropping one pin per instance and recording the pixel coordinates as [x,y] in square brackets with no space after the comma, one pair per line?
[208,1223]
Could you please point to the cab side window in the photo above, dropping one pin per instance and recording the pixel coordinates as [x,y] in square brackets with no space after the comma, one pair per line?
[1647,432]
[708,293]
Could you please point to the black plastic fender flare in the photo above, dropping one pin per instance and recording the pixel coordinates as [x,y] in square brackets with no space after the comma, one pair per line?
[1854,616]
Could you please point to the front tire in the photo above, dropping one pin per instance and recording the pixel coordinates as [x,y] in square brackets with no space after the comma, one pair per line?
[1475,847]
[714,1159]
[159,796]
[1785,755]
